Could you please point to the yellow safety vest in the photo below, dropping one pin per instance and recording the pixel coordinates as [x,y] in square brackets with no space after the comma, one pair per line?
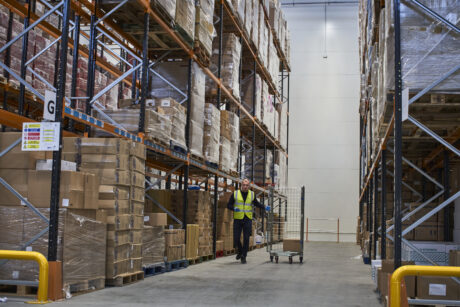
[244,206]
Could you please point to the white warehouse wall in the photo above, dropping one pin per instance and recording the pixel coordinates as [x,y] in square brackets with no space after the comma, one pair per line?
[324,119]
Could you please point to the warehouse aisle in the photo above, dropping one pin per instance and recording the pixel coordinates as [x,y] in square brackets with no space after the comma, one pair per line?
[329,277]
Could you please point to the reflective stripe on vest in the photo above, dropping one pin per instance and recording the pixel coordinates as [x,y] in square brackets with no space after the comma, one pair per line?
[244,206]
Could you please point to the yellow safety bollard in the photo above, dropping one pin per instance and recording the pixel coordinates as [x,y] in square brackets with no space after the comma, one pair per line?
[42,294]
[417,270]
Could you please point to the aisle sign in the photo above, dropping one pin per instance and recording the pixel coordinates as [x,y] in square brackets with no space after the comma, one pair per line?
[40,136]
[49,111]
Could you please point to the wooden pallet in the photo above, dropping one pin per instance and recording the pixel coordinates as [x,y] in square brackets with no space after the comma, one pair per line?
[176,265]
[229,252]
[201,53]
[157,141]
[124,279]
[18,290]
[207,258]
[154,269]
[85,286]
[195,260]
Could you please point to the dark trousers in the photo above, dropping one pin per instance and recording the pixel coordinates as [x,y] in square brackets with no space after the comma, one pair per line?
[244,225]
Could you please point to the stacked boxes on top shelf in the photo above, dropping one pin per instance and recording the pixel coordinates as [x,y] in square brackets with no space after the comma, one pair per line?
[204,26]
[211,141]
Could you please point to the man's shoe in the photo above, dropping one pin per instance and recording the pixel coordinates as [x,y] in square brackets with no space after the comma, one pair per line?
[243,260]
[238,256]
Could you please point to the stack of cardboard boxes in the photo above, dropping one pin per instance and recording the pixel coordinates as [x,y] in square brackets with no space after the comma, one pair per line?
[174,244]
[204,26]
[211,140]
[120,165]
[191,248]
[153,245]
[81,231]
[225,222]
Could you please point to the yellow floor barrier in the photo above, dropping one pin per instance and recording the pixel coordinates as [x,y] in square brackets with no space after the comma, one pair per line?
[42,293]
[416,270]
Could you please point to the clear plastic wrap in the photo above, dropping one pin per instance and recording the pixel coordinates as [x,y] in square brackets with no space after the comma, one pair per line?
[185,16]
[238,8]
[274,16]
[255,23]
[177,114]
[225,153]
[248,16]
[231,57]
[283,126]
[205,31]
[198,94]
[211,133]
[196,138]
[81,244]
[176,74]
[153,245]
[273,62]
[247,91]
[263,41]
[168,6]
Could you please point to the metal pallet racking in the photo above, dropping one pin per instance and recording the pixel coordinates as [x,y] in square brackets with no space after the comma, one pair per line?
[422,154]
[132,59]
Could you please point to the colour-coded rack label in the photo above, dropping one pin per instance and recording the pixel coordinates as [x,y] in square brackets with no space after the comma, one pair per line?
[40,136]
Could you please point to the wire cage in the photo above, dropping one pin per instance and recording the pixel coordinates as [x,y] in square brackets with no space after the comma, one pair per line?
[286,223]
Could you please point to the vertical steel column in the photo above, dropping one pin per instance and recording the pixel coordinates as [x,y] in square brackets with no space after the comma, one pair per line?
[383,224]
[7,62]
[279,218]
[219,58]
[447,210]
[273,165]
[134,82]
[180,182]
[168,183]
[56,60]
[56,169]
[73,86]
[91,62]
[145,72]
[423,188]
[263,178]
[369,213]
[187,143]
[360,157]
[376,211]
[25,45]
[253,113]
[397,136]
[214,215]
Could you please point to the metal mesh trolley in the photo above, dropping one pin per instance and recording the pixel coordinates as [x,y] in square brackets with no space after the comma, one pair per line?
[286,224]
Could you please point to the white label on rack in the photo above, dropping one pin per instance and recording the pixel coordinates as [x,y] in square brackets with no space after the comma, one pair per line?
[146,218]
[437,289]
[23,203]
[405,104]
[28,248]
[15,275]
[165,103]
[65,202]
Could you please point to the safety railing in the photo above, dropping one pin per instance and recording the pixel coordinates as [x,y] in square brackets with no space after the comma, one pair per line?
[416,270]
[42,293]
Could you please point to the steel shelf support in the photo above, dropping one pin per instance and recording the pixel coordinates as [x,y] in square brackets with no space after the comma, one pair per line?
[56,168]
[73,89]
[447,210]
[145,73]
[383,221]
[397,136]
[7,61]
[187,143]
[25,45]
[370,216]
[219,58]
[91,62]
[214,214]
[376,211]
[253,123]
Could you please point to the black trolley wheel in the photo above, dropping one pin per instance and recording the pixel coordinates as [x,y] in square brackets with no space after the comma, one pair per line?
[271,258]
[276,259]
[290,260]
[301,259]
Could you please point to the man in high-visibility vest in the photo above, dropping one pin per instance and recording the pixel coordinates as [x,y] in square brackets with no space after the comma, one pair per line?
[242,203]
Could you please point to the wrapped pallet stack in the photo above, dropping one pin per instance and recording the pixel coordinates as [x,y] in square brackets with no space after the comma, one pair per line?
[225,222]
[211,141]
[153,245]
[204,26]
[185,18]
[174,244]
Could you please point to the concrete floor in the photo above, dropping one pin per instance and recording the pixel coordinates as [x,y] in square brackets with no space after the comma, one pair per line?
[330,276]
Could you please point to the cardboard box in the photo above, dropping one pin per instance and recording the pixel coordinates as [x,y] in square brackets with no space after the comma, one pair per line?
[120,162]
[136,208]
[71,194]
[137,164]
[137,221]
[115,206]
[427,231]
[18,179]
[104,146]
[138,150]
[115,238]
[135,265]
[156,219]
[443,288]
[135,236]
[137,179]
[219,245]
[113,269]
[191,248]
[110,192]
[135,251]
[16,158]
[174,237]
[292,245]
[118,253]
[137,194]
[119,222]
[454,258]
[91,191]
[110,176]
